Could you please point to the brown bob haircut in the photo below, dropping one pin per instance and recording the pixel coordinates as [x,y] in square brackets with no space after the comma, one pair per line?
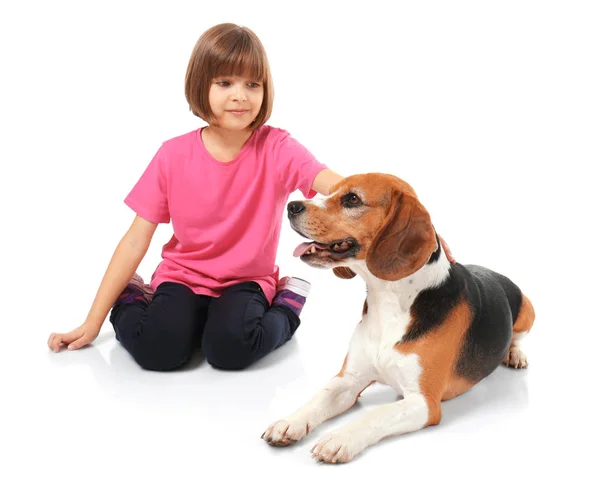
[227,50]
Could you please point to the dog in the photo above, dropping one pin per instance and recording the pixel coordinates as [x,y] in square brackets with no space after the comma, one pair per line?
[430,329]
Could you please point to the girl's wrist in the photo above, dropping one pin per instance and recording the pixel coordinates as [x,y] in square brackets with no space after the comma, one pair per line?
[93,322]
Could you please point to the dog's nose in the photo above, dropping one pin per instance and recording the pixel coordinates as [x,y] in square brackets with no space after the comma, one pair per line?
[295,208]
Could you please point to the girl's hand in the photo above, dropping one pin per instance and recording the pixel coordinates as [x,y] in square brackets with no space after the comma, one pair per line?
[447,250]
[75,339]
[128,255]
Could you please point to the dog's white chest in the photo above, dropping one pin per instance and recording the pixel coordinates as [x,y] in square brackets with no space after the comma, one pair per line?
[383,327]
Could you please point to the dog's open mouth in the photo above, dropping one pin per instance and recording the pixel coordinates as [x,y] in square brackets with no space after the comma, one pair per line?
[335,250]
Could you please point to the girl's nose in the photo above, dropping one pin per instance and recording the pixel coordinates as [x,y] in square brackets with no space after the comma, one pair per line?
[239,94]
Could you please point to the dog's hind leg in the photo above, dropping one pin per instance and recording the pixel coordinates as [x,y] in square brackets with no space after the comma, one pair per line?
[515,357]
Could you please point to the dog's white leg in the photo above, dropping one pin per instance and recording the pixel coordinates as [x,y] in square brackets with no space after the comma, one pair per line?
[338,396]
[343,444]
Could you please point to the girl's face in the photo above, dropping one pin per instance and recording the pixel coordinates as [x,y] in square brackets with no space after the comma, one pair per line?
[235,101]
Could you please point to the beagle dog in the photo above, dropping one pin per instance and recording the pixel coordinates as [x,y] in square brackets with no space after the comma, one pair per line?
[430,329]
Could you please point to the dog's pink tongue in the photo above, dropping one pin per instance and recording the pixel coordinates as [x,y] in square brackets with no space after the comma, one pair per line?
[302,248]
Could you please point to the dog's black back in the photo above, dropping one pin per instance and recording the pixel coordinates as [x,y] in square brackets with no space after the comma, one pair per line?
[495,302]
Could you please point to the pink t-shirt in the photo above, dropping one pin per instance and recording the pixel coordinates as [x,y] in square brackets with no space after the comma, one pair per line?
[226,217]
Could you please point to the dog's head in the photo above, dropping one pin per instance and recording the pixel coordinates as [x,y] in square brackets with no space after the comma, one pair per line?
[373,217]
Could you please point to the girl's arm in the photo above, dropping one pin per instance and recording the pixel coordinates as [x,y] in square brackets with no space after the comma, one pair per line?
[325,180]
[129,253]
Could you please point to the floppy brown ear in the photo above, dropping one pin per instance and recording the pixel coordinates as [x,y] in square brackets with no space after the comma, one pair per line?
[343,272]
[405,241]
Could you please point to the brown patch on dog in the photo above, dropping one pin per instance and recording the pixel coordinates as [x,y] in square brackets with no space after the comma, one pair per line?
[343,272]
[457,386]
[365,308]
[376,183]
[405,241]
[524,321]
[438,352]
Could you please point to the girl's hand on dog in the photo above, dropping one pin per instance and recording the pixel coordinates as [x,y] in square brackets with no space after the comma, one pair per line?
[75,339]
[447,250]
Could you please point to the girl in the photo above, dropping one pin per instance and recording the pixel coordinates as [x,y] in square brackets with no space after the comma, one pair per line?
[224,187]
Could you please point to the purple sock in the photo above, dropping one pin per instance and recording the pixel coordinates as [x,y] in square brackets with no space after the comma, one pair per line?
[130,295]
[291,300]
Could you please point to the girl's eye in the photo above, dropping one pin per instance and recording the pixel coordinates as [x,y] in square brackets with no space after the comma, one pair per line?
[254,85]
[223,83]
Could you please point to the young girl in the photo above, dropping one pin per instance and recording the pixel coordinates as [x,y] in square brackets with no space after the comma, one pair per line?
[224,187]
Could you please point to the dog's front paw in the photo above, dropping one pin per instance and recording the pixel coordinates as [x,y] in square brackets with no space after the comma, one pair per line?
[285,432]
[339,446]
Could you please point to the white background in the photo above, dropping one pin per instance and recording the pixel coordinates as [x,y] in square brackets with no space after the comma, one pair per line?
[490,110]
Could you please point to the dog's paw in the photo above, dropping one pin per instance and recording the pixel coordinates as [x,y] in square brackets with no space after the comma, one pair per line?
[338,446]
[285,432]
[515,358]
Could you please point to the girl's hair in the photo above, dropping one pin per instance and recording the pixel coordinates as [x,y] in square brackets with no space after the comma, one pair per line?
[227,50]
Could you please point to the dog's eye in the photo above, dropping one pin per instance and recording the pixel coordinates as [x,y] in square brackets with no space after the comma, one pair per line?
[351,200]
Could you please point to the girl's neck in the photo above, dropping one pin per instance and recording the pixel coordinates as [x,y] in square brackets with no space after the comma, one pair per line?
[224,145]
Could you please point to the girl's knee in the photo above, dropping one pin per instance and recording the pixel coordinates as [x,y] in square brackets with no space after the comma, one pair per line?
[228,354]
[161,361]
[164,354]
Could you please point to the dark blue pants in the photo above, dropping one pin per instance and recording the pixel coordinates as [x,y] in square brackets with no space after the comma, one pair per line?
[233,330]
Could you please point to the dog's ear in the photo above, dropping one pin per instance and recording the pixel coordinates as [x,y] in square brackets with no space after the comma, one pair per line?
[405,241]
[343,272]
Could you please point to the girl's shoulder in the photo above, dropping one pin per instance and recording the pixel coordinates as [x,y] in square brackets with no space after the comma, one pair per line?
[182,141]
[268,130]
[173,150]
[270,136]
